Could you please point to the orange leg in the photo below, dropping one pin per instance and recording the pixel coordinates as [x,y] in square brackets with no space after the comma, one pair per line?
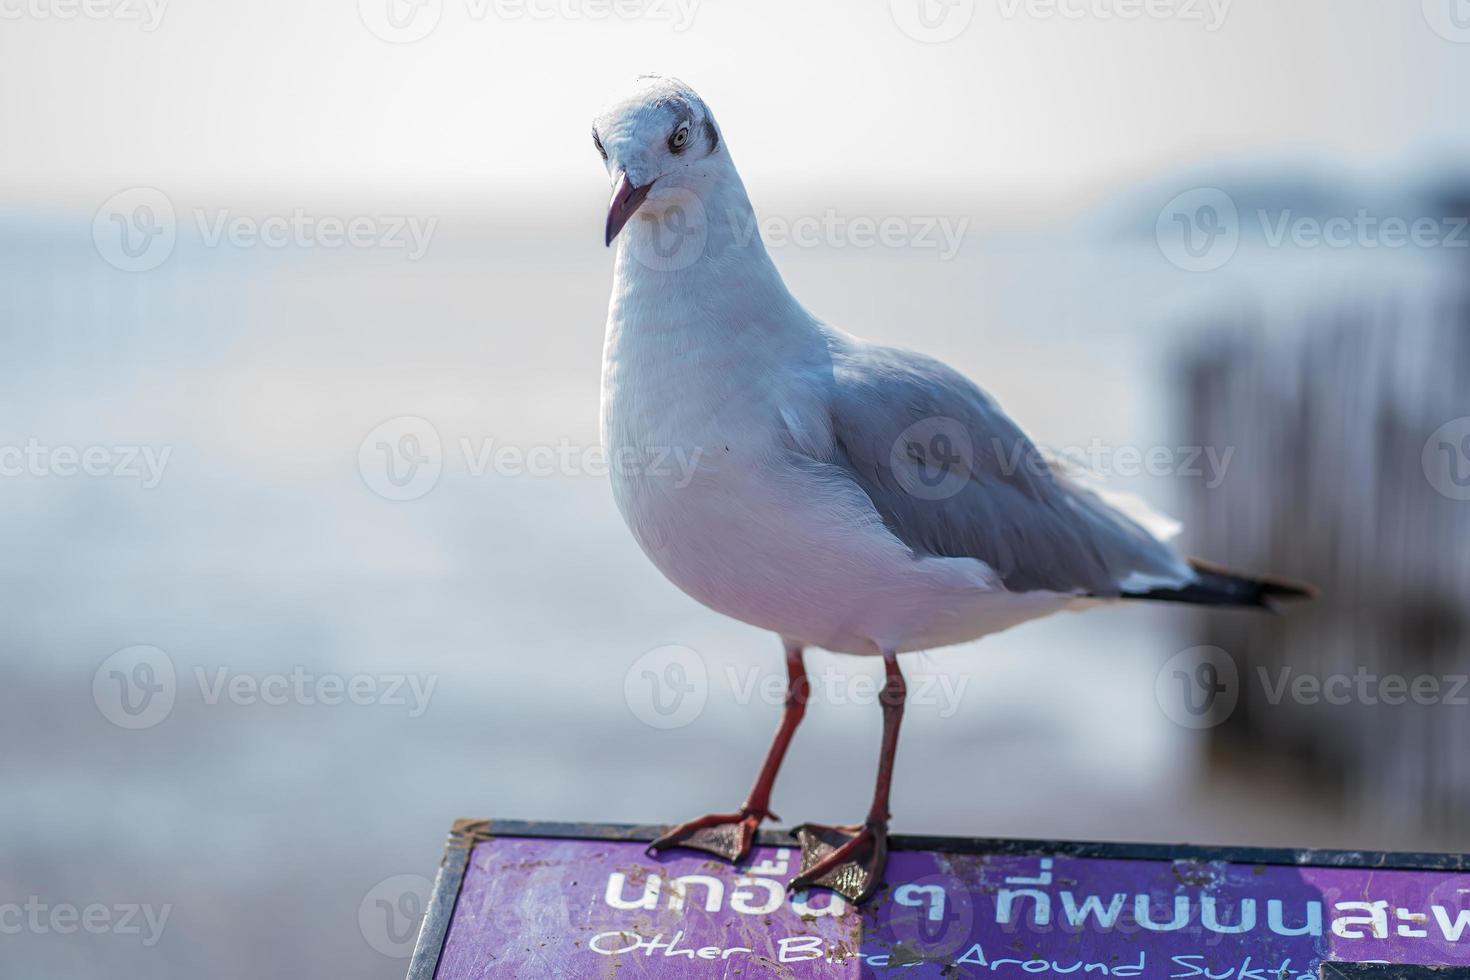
[850,859]
[730,835]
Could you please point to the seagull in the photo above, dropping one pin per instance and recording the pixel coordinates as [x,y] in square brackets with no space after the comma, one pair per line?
[859,498]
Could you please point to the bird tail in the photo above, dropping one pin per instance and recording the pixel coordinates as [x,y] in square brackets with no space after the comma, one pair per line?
[1221,587]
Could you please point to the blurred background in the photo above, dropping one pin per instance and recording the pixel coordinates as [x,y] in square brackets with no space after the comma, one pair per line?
[310,550]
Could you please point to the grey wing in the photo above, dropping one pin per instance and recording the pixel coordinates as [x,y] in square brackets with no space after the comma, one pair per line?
[951,475]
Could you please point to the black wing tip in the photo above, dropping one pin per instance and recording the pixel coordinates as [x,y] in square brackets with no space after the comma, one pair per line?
[1288,591]
[1218,586]
[1267,586]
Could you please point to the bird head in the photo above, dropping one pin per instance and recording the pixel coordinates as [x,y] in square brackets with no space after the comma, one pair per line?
[658,136]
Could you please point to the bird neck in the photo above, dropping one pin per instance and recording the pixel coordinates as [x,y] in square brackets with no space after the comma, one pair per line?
[693,257]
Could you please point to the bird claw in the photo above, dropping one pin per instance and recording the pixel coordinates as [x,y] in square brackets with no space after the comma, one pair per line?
[848,860]
[726,835]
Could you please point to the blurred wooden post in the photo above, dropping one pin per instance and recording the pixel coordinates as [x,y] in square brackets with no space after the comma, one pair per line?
[1329,422]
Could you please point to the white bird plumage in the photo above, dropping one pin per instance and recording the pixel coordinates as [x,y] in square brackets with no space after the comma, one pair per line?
[793,517]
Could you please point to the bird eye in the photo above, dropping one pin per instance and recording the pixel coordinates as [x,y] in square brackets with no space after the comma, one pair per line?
[680,139]
[598,143]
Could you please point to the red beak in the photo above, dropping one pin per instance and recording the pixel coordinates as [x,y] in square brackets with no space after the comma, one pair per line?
[625,201]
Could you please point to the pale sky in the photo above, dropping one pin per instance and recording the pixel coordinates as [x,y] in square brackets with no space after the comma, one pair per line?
[276,98]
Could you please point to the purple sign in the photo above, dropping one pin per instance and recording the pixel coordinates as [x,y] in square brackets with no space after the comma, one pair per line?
[533,907]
